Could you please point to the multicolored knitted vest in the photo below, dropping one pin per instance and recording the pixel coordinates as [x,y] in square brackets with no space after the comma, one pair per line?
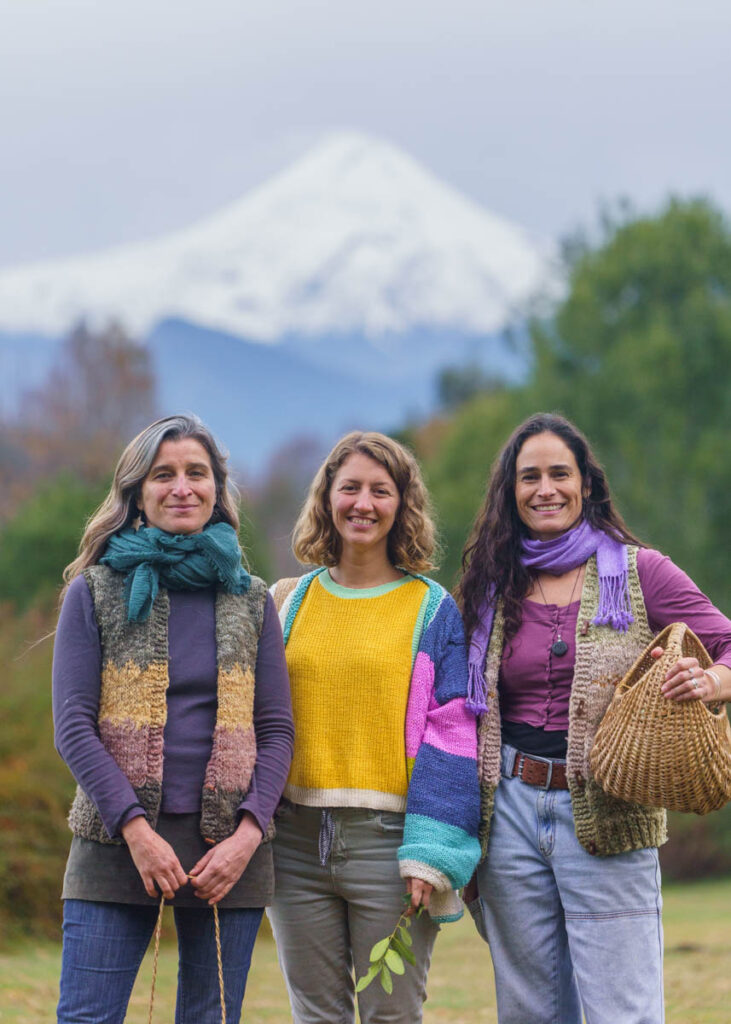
[133,703]
[604,825]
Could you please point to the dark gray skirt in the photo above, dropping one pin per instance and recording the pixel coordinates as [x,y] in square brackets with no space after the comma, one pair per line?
[106,873]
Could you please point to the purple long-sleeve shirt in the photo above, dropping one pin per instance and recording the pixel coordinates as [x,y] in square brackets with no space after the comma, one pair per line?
[535,686]
[191,709]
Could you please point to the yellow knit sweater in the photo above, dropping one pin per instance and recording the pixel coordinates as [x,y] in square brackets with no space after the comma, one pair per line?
[350,655]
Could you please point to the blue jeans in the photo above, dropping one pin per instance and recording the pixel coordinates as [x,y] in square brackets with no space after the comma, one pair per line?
[567,930]
[326,918]
[103,946]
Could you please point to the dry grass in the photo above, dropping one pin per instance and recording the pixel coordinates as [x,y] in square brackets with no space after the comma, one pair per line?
[698,982]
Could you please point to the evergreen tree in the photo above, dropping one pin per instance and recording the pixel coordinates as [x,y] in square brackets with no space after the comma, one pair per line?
[638,355]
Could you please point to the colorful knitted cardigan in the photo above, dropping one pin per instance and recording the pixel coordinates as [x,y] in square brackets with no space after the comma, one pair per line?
[604,825]
[133,703]
[440,843]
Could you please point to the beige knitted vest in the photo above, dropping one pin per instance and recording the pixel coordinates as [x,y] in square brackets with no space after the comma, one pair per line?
[604,825]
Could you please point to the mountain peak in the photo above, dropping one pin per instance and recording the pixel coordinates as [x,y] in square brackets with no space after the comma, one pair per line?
[355,236]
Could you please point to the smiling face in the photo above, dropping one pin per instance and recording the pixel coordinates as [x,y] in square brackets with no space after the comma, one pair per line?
[548,486]
[179,492]
[364,501]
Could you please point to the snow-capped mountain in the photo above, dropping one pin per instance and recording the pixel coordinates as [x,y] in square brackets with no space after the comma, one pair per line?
[354,238]
[327,299]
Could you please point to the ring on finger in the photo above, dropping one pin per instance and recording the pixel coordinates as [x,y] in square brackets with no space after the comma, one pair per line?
[695,684]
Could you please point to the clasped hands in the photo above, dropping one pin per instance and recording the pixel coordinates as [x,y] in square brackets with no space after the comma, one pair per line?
[212,876]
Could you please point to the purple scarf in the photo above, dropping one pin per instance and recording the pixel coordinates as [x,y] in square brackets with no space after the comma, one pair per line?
[557,556]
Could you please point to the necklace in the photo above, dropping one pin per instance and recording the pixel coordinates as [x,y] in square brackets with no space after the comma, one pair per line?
[559,646]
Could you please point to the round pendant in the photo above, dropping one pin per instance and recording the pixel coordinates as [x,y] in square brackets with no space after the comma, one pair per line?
[559,648]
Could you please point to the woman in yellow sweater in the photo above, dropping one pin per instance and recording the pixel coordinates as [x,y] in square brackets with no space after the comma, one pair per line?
[382,797]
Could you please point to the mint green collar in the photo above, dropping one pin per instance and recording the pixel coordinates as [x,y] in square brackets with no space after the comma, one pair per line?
[355,593]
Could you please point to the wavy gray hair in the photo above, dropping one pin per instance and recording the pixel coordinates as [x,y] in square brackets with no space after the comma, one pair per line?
[119,508]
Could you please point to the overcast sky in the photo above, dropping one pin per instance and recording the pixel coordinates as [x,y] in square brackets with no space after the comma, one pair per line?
[123,121]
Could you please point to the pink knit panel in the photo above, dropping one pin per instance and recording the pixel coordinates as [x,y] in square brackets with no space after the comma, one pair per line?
[232,759]
[422,683]
[136,749]
[452,728]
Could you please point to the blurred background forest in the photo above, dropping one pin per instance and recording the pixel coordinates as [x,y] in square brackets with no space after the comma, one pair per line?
[636,351]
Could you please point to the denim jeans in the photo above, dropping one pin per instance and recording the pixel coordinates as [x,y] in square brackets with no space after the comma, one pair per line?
[327,918]
[567,931]
[103,946]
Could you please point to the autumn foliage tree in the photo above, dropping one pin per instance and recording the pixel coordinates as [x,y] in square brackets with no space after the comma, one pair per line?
[59,452]
[99,394]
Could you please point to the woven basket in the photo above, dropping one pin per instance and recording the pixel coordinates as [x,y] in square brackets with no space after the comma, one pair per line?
[660,752]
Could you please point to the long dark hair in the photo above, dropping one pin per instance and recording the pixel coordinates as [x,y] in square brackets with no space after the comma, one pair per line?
[492,556]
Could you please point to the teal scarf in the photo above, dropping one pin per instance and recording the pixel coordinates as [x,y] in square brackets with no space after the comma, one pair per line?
[150,557]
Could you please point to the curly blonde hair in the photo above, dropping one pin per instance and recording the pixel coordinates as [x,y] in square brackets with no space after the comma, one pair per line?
[412,540]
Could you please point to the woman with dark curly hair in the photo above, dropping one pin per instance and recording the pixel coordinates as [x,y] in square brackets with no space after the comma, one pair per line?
[559,598]
[382,794]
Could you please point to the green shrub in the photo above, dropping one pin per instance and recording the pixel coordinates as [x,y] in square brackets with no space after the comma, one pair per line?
[42,538]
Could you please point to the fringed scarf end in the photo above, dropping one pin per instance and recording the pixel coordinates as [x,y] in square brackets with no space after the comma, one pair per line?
[476,701]
[615,609]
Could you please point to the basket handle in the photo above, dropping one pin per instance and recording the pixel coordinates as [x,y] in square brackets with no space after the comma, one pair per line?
[677,640]
[219,962]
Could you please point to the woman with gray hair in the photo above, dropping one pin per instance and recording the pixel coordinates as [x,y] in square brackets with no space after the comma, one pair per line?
[172,710]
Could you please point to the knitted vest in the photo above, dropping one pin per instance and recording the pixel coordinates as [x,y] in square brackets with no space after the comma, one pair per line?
[604,825]
[133,703]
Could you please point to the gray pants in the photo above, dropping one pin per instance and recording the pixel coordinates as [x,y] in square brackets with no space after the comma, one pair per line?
[327,918]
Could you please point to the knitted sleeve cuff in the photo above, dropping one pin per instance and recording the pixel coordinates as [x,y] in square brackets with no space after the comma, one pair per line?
[418,869]
[445,906]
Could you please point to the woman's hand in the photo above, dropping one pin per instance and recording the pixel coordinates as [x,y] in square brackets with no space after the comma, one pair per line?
[686,680]
[154,858]
[420,892]
[218,870]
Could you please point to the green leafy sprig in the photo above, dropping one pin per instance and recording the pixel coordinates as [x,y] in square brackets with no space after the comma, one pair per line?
[388,955]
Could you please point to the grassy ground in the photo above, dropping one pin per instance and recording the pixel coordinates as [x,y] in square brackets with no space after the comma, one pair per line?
[698,982]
